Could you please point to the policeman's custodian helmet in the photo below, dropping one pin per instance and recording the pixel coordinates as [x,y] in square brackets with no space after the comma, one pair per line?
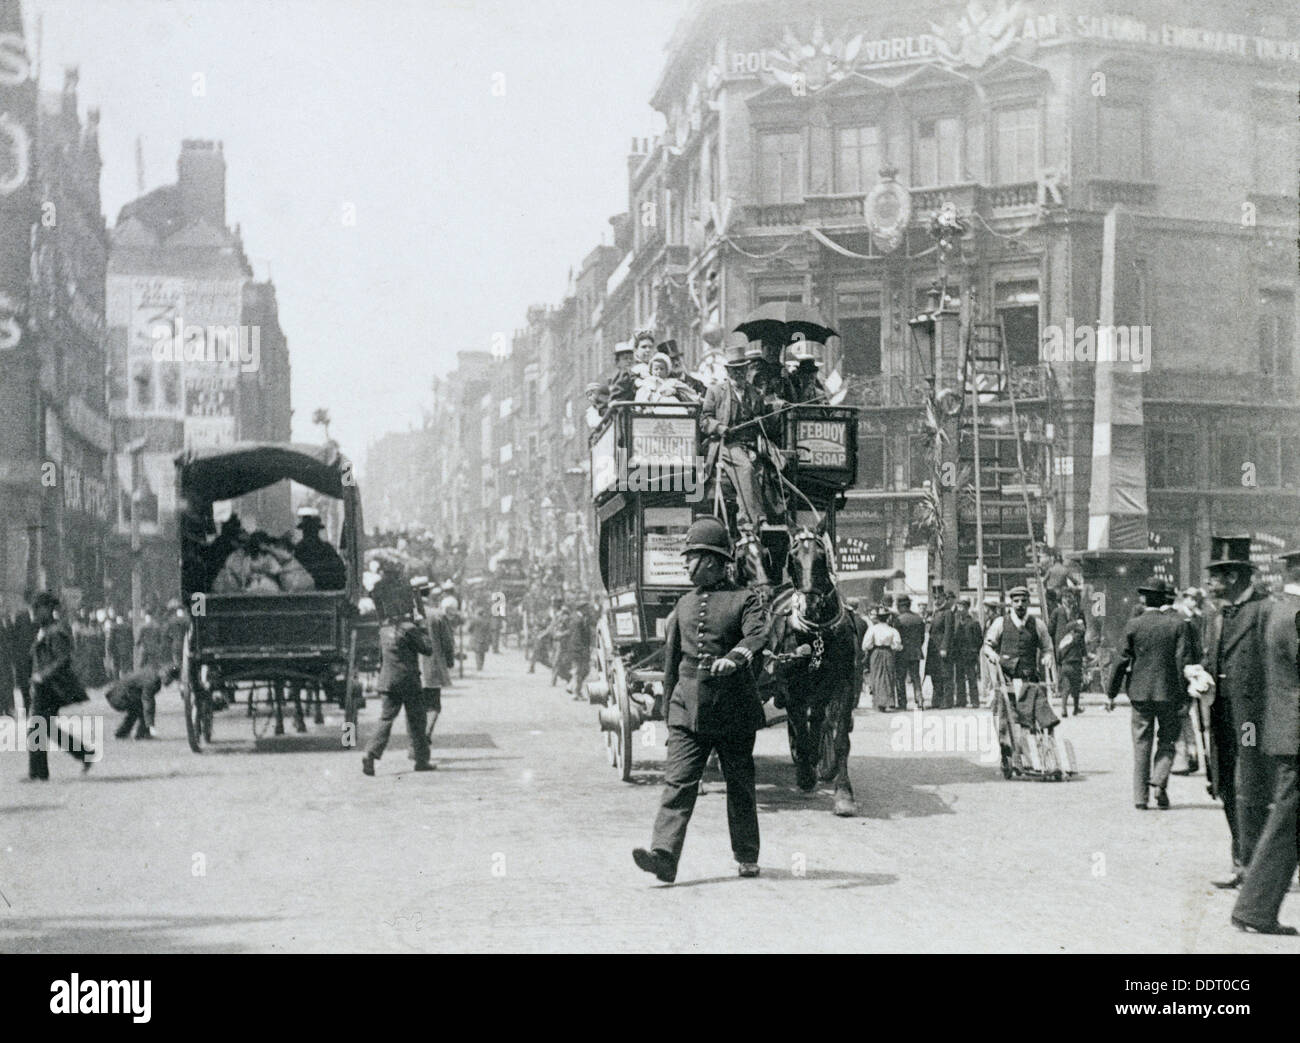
[708,534]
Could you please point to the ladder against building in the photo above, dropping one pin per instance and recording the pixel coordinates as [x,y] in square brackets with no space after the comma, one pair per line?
[1012,476]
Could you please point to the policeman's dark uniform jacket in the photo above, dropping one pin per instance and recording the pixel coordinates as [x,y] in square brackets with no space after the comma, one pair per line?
[1273,863]
[1234,658]
[401,643]
[708,712]
[1157,646]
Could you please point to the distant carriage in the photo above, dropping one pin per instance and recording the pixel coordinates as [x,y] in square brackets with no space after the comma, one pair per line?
[265,646]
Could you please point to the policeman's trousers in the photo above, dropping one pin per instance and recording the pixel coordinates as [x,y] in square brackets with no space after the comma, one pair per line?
[1273,864]
[688,752]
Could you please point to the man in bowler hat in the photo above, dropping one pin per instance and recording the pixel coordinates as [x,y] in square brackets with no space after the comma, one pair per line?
[1234,659]
[1158,646]
[712,637]
[1273,864]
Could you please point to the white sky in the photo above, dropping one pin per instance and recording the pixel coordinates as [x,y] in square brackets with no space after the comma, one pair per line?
[469,206]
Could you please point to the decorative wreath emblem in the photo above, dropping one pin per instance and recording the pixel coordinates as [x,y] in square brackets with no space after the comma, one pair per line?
[887,209]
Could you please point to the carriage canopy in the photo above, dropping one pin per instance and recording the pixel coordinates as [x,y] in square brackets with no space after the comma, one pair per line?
[209,475]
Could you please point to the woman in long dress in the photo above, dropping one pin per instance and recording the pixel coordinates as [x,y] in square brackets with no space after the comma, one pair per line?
[881,643]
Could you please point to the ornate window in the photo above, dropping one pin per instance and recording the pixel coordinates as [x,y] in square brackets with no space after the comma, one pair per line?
[780,167]
[857,158]
[938,151]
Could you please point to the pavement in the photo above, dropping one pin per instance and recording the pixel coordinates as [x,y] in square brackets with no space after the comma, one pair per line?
[521,841]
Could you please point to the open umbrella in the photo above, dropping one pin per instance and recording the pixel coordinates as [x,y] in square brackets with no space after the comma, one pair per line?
[776,321]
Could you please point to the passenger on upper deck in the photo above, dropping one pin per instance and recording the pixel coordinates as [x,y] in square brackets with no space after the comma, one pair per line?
[677,369]
[805,378]
[622,383]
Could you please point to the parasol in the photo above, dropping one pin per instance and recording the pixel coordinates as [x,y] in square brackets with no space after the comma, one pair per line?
[776,321]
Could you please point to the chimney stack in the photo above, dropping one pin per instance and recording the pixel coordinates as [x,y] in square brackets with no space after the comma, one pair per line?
[201,178]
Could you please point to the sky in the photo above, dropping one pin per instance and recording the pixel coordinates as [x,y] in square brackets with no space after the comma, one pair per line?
[413,174]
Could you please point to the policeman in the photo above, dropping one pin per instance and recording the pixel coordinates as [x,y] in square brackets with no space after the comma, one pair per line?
[712,637]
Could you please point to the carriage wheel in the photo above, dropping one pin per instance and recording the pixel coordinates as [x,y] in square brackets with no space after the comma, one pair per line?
[189,696]
[620,741]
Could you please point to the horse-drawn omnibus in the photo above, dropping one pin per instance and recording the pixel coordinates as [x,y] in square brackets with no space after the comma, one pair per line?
[647,487]
[265,644]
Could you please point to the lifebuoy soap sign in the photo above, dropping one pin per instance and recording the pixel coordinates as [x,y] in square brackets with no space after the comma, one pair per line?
[822,444]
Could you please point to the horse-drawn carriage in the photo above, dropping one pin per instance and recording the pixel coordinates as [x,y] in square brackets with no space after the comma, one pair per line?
[272,647]
[647,487]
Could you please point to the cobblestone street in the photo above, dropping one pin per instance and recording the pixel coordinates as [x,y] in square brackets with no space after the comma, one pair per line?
[521,841]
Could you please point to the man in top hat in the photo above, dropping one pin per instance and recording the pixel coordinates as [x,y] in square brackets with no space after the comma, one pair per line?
[1273,864]
[911,628]
[1234,659]
[731,420]
[678,369]
[711,639]
[316,556]
[622,382]
[938,650]
[805,378]
[1158,646]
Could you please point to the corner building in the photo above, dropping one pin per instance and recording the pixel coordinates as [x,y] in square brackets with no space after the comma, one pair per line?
[1033,119]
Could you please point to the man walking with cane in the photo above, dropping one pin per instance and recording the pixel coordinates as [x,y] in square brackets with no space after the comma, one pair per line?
[712,636]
